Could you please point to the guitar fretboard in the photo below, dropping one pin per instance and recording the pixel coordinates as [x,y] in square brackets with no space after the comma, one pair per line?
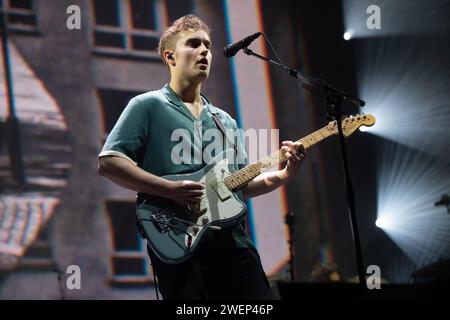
[242,177]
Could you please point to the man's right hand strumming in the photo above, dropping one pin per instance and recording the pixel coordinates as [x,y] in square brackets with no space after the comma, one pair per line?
[186,192]
[128,175]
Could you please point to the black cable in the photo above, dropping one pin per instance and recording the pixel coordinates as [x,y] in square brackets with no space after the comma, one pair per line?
[154,219]
[59,273]
[154,278]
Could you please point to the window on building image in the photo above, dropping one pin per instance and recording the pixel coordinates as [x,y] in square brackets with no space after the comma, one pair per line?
[20,14]
[130,27]
[129,259]
[39,255]
[112,103]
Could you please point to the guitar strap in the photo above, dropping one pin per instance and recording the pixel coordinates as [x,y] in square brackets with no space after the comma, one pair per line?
[222,129]
[219,124]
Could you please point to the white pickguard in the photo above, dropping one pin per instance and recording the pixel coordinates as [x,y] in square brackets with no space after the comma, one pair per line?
[219,203]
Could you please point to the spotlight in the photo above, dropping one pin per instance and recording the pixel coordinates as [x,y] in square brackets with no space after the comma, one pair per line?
[348,35]
[383,222]
[409,182]
[398,95]
[393,19]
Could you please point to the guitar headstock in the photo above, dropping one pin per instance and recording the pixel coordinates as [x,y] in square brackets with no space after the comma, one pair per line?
[352,123]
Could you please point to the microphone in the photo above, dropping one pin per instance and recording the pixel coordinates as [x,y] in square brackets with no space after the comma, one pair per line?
[231,49]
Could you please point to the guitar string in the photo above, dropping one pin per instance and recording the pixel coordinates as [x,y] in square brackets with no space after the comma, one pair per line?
[223,182]
[275,155]
[205,195]
[271,157]
[310,137]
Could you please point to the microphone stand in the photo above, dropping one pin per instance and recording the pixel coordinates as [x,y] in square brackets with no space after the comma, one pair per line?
[333,99]
[445,201]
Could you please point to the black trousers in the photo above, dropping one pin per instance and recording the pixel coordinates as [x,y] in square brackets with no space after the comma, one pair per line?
[224,273]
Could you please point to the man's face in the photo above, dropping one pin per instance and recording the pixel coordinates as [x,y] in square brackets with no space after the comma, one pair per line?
[192,56]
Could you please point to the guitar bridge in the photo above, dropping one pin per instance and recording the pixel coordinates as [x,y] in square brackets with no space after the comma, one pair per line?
[162,222]
[197,210]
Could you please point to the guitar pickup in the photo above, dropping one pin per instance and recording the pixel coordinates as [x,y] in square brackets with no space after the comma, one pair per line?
[221,189]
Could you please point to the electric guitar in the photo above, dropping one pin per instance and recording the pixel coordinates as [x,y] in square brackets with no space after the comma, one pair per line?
[174,232]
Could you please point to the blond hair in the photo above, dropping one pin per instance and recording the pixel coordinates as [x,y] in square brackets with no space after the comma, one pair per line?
[169,38]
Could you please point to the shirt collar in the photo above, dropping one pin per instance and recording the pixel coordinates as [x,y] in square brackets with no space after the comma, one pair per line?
[173,98]
[170,95]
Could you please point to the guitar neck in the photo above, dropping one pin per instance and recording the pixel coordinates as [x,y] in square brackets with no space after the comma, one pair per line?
[242,177]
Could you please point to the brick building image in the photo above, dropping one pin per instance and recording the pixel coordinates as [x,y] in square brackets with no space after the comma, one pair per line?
[63,87]
[70,86]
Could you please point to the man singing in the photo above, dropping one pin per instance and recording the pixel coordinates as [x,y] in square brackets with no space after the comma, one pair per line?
[139,151]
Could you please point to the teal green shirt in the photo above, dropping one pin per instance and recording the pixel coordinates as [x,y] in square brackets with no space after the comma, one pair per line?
[144,134]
